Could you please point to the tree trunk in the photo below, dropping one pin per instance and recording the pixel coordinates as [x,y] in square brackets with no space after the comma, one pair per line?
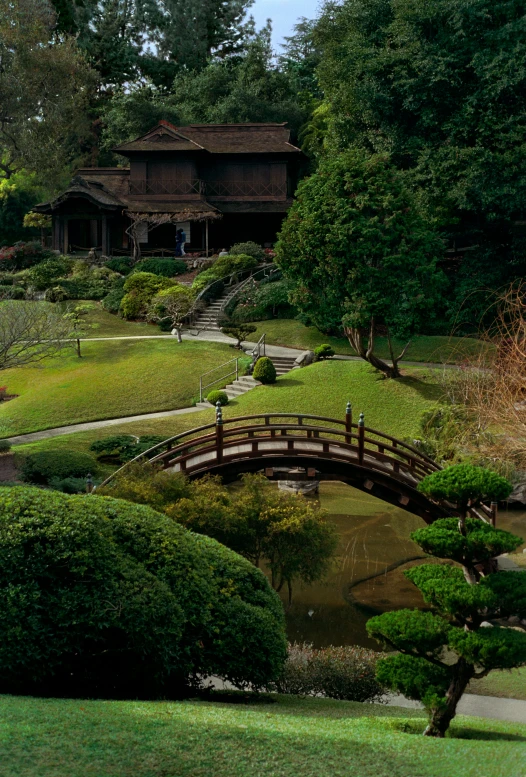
[356,340]
[78,348]
[178,333]
[441,718]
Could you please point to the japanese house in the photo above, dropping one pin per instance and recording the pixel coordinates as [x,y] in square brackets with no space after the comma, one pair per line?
[223,183]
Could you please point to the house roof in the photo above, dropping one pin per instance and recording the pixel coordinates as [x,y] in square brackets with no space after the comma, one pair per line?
[162,212]
[215,138]
[93,190]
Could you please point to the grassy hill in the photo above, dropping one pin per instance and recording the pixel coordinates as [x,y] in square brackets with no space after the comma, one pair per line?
[285,737]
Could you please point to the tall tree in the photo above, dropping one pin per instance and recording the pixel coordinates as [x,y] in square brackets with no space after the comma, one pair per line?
[441,86]
[44,91]
[360,255]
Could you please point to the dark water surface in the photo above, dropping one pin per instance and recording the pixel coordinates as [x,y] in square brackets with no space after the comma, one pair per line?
[368,576]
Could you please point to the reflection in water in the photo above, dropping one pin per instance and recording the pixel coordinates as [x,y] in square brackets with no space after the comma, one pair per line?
[374,548]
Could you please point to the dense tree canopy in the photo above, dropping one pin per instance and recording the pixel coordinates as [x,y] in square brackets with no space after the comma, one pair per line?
[359,253]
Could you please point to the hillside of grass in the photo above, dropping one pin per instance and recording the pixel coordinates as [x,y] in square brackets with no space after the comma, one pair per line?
[277,737]
[424,348]
[394,407]
[112,379]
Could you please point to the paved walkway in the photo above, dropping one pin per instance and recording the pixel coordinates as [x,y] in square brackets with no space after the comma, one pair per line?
[494,707]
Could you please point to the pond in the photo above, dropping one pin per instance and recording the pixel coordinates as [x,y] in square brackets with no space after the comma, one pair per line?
[368,577]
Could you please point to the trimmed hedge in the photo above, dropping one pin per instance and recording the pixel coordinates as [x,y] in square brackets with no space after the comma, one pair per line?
[218,396]
[165,267]
[347,672]
[101,597]
[43,466]
[120,264]
[264,371]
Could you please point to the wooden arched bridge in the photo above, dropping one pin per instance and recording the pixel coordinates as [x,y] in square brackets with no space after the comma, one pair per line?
[287,446]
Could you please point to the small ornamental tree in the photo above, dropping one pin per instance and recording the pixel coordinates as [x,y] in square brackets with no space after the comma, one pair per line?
[360,254]
[439,652]
[172,304]
[79,325]
[239,331]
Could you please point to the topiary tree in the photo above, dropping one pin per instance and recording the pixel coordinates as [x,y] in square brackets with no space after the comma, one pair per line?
[173,305]
[360,254]
[264,370]
[465,485]
[460,640]
[102,597]
[240,331]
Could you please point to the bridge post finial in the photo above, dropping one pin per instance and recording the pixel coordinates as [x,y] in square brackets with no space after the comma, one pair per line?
[219,413]
[361,438]
[219,433]
[348,423]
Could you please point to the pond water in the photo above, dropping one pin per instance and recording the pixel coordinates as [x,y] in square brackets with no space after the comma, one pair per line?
[368,576]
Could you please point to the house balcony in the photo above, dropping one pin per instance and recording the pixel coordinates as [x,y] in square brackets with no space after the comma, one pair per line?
[220,190]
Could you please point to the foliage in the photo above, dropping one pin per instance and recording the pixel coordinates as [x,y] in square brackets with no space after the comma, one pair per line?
[5,446]
[172,305]
[121,448]
[441,87]
[167,267]
[12,292]
[45,85]
[183,605]
[29,333]
[441,651]
[465,484]
[344,672]
[43,466]
[146,484]
[112,301]
[120,264]
[239,331]
[324,351]
[249,249]
[18,193]
[264,370]
[263,301]
[56,294]
[22,255]
[218,396]
[287,531]
[360,253]
[141,288]
[45,274]
[77,316]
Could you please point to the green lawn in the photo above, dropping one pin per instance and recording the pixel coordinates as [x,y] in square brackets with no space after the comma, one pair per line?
[112,379]
[294,334]
[289,738]
[507,685]
[321,389]
[108,325]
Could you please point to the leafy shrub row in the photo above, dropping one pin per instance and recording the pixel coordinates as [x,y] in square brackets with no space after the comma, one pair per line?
[22,255]
[121,448]
[42,467]
[101,597]
[347,673]
[267,300]
[222,267]
[168,268]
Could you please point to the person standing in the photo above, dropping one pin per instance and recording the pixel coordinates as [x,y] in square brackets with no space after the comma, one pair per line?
[180,240]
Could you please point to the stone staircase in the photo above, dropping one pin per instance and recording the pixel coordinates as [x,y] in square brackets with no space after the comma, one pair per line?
[208,319]
[283,365]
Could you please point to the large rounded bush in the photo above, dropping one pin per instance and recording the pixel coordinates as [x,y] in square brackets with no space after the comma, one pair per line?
[43,466]
[102,597]
[264,371]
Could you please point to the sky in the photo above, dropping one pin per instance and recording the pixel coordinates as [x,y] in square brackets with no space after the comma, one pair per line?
[283,13]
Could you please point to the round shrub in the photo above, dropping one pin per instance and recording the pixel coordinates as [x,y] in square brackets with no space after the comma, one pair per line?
[56,294]
[264,370]
[5,446]
[218,396]
[249,249]
[165,267]
[102,597]
[43,466]
[322,352]
[112,301]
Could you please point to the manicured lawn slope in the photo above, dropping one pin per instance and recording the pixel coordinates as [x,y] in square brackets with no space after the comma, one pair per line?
[423,348]
[321,389]
[290,738]
[112,379]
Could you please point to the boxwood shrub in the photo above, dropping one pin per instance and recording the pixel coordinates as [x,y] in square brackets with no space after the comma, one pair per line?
[102,597]
[43,466]
[264,371]
[218,396]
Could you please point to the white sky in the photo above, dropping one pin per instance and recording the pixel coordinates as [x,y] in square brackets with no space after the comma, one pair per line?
[283,13]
